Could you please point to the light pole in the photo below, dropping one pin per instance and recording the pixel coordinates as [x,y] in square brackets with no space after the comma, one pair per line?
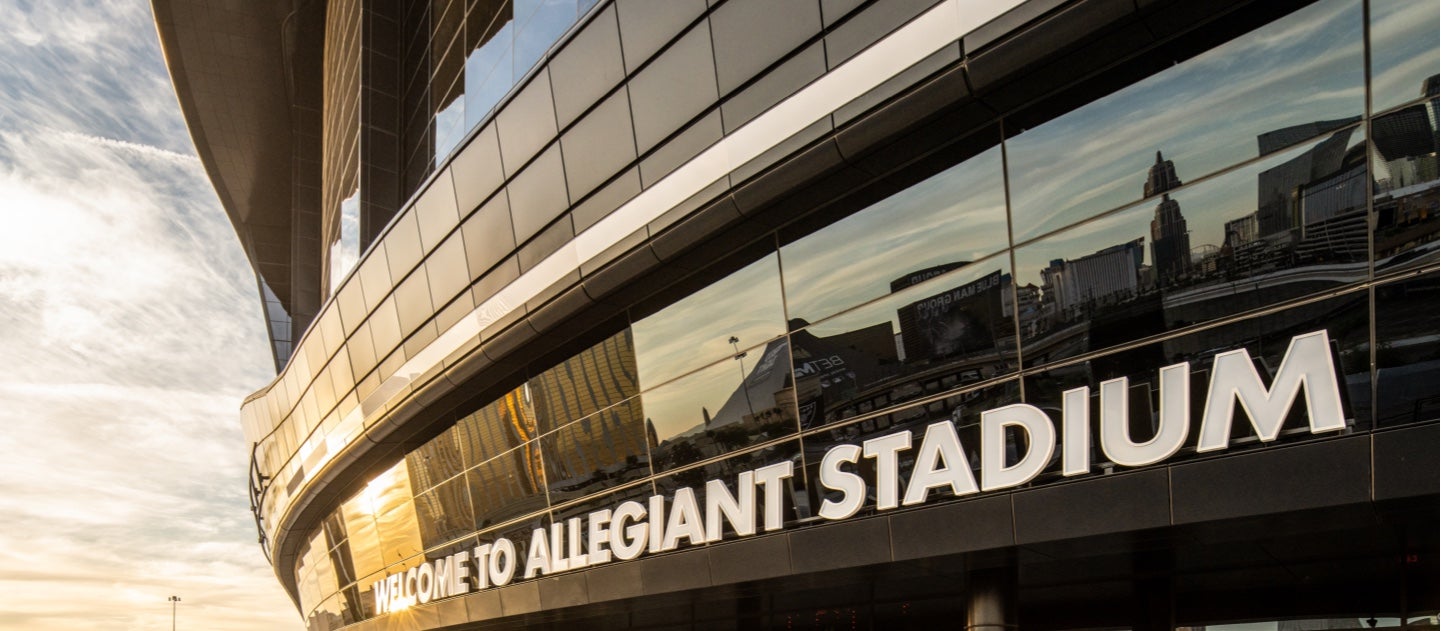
[173,601]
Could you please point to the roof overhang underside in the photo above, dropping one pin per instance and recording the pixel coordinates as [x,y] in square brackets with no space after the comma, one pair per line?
[230,64]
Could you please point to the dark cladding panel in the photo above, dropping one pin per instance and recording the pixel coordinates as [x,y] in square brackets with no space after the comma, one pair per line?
[587,67]
[1093,506]
[488,235]
[966,526]
[752,34]
[841,545]
[681,148]
[477,171]
[870,24]
[1284,480]
[1406,463]
[599,145]
[551,239]
[750,560]
[527,123]
[674,88]
[646,25]
[775,86]
[538,194]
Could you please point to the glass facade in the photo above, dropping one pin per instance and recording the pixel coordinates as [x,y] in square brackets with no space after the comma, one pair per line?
[1235,200]
[462,58]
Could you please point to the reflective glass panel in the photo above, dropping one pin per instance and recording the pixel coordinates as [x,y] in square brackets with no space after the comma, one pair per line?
[739,311]
[595,378]
[1403,165]
[1286,226]
[1406,351]
[1404,41]
[954,217]
[444,512]
[488,74]
[399,533]
[363,539]
[598,452]
[1288,81]
[496,428]
[541,22]
[944,333]
[435,461]
[727,406]
[507,486]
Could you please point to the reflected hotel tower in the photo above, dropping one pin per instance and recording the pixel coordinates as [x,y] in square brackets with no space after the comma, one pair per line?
[1170,242]
[851,314]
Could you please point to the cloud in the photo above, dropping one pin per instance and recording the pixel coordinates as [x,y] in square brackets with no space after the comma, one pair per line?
[130,330]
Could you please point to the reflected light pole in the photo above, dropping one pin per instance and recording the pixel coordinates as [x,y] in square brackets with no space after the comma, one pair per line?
[740,356]
[173,601]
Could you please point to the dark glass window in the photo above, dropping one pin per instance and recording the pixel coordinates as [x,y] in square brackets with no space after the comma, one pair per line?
[740,311]
[593,379]
[435,461]
[1404,42]
[946,221]
[943,333]
[1289,81]
[507,486]
[443,512]
[725,407]
[1403,164]
[1406,351]
[496,428]
[1280,228]
[598,452]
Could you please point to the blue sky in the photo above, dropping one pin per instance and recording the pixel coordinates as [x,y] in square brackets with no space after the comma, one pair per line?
[131,330]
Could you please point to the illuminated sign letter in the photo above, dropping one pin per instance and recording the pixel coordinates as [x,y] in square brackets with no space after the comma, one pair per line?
[1076,431]
[851,486]
[538,561]
[884,450]
[685,521]
[1174,425]
[939,463]
[740,512]
[1305,366]
[1042,442]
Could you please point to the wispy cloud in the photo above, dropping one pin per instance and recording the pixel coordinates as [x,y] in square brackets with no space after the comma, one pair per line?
[129,332]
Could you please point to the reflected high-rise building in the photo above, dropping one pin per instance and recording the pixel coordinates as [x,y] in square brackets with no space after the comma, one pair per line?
[1170,241]
[1161,177]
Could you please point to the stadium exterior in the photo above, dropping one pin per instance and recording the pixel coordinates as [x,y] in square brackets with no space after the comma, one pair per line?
[823,314]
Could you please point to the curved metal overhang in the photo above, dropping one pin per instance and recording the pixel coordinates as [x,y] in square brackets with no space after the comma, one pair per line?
[232,64]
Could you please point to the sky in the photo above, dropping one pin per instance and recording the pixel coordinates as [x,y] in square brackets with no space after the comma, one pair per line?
[131,329]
